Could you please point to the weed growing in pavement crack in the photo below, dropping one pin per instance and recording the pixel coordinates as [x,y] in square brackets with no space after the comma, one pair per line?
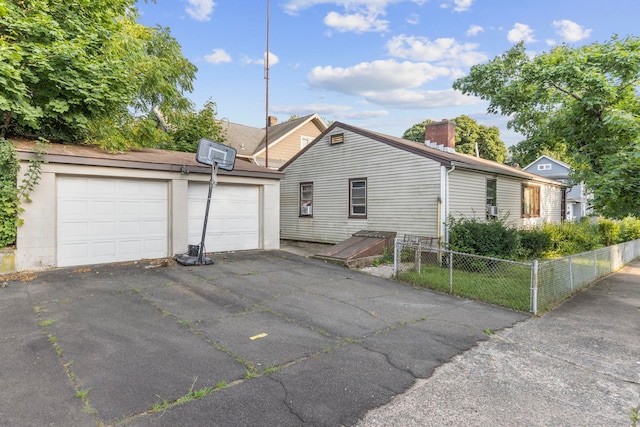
[635,416]
[48,322]
[488,331]
[251,373]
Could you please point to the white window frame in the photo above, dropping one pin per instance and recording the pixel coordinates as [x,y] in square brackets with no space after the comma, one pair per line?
[358,201]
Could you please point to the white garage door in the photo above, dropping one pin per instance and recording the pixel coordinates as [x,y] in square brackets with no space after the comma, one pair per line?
[234,220]
[110,220]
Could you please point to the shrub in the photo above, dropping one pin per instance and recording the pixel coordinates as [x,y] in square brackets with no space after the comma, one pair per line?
[609,231]
[491,238]
[573,237]
[534,243]
[629,229]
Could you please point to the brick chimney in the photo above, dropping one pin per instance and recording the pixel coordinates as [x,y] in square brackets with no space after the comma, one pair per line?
[273,120]
[442,133]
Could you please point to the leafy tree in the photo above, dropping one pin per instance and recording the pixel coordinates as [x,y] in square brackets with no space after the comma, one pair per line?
[195,125]
[416,132]
[527,151]
[85,70]
[469,133]
[584,98]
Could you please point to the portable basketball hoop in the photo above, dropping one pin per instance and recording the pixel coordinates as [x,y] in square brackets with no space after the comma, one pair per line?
[218,156]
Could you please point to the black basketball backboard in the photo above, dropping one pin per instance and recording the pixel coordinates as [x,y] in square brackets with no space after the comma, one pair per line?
[210,152]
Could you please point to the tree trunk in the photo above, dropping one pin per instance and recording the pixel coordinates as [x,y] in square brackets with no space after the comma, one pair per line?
[5,126]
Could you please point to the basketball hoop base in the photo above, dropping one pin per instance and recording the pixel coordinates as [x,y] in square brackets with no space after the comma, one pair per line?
[188,260]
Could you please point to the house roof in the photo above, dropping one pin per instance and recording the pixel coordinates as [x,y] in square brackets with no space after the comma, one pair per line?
[459,160]
[249,141]
[147,158]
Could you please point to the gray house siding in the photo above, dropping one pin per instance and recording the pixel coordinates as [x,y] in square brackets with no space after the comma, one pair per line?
[396,200]
[468,192]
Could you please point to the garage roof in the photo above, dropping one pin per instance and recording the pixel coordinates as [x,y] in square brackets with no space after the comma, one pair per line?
[147,158]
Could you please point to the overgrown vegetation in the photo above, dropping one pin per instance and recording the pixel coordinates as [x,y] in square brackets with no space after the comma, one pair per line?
[12,194]
[496,238]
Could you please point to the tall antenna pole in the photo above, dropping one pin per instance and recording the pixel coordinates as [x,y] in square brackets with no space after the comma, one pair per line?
[266,77]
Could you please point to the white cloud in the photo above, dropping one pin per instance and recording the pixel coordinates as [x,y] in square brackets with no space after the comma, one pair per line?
[551,42]
[408,99]
[372,77]
[200,10]
[355,22]
[413,19]
[293,7]
[521,32]
[334,111]
[474,30]
[570,31]
[445,51]
[218,56]
[458,5]
[273,60]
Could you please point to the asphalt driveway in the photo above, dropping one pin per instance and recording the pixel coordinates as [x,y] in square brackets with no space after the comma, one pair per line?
[258,338]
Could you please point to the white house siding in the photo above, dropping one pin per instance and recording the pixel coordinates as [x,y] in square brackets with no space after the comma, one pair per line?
[399,185]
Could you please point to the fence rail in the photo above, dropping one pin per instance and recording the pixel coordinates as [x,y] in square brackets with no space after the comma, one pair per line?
[534,286]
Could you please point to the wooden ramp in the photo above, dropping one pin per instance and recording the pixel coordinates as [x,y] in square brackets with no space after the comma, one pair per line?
[359,249]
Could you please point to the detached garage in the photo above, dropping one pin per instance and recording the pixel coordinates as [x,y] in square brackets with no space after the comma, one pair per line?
[96,207]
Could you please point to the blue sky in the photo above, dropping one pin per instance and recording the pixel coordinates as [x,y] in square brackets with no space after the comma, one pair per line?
[383,65]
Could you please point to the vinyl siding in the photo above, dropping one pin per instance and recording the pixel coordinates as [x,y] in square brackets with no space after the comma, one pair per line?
[402,190]
[468,199]
[467,194]
[290,145]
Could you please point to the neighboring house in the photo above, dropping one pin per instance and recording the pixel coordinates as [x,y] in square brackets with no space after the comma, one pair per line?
[351,179]
[91,207]
[285,139]
[577,199]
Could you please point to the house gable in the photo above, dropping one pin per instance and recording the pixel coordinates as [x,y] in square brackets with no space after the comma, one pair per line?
[549,167]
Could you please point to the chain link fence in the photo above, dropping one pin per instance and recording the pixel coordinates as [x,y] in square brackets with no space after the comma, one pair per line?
[525,286]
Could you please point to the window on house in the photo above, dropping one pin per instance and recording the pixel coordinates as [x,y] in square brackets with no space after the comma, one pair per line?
[304,141]
[544,167]
[337,138]
[492,189]
[530,201]
[306,199]
[358,198]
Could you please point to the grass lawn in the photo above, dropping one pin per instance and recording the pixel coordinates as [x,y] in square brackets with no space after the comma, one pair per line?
[508,288]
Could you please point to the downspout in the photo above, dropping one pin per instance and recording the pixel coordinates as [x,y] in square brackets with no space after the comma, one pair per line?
[446,202]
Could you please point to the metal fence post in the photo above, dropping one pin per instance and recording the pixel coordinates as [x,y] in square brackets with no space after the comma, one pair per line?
[450,272]
[571,274]
[395,257]
[534,287]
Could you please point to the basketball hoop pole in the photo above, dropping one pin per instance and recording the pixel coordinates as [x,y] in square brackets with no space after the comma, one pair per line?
[212,183]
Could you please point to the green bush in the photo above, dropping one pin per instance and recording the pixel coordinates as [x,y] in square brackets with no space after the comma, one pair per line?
[629,229]
[491,238]
[534,243]
[609,231]
[573,237]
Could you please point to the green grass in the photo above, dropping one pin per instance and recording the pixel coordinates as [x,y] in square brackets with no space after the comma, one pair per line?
[509,289]
[47,322]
